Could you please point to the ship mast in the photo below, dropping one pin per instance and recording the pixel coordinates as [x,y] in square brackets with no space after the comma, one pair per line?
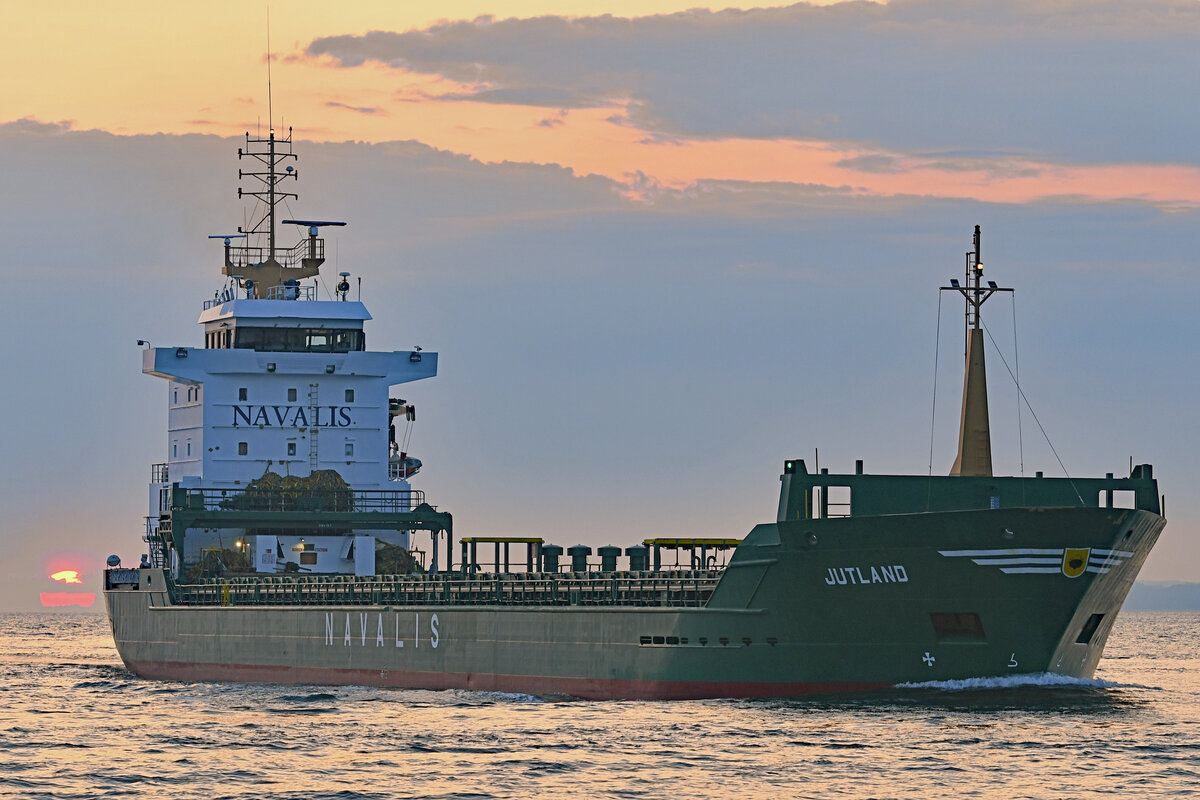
[271,153]
[270,272]
[974,432]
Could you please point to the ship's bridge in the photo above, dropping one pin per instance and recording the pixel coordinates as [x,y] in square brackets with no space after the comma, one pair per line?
[285,325]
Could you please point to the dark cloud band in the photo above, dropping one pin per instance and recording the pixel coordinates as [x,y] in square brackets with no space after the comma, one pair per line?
[1073,81]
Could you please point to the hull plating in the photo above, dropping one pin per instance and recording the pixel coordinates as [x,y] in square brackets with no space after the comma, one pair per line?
[811,606]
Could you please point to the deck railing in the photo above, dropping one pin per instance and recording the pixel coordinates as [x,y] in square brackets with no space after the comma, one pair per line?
[154,542]
[334,500]
[686,588]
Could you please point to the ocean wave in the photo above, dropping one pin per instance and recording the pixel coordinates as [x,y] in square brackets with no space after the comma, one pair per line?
[308,698]
[473,696]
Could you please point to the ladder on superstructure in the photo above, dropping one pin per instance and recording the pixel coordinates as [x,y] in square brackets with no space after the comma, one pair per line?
[314,409]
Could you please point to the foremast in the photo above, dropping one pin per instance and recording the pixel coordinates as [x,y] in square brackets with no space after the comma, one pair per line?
[974,455]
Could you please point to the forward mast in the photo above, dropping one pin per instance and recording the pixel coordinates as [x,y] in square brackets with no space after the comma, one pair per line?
[974,456]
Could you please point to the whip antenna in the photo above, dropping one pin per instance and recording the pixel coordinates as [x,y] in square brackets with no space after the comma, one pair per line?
[270,109]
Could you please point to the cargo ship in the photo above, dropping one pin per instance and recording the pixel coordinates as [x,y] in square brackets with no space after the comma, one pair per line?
[285,541]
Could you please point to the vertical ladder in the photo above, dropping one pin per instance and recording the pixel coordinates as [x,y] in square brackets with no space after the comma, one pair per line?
[313,429]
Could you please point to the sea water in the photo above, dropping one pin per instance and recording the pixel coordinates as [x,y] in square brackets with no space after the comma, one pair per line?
[75,724]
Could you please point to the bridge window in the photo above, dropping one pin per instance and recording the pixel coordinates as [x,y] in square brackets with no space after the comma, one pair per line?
[299,340]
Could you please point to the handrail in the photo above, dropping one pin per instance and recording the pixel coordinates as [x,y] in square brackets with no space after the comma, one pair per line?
[293,292]
[283,291]
[332,500]
[676,588]
[288,258]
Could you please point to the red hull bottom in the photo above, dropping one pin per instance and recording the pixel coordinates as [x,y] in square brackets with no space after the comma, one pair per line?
[538,685]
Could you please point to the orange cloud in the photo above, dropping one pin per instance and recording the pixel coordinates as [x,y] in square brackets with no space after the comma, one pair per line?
[169,88]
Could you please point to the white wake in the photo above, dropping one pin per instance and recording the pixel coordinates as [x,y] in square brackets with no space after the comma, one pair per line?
[1014,681]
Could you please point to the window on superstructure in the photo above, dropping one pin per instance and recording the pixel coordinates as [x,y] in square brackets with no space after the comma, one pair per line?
[243,393]
[319,341]
[189,449]
[174,450]
[175,397]
[291,448]
[291,395]
[249,338]
[347,341]
[349,395]
[299,340]
[243,449]
[349,449]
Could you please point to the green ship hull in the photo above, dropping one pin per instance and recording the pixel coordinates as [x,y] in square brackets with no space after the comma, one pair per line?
[804,606]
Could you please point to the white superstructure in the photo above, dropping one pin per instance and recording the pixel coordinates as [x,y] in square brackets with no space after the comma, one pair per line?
[284,384]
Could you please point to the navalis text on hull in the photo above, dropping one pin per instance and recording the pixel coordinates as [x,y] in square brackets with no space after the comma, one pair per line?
[286,542]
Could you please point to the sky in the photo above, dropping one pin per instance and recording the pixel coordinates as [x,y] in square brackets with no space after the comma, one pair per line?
[659,248]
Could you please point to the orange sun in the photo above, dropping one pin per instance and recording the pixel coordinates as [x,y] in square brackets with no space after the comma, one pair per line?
[71,598]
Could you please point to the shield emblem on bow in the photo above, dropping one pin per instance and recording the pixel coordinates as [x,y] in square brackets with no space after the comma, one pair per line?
[1075,561]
